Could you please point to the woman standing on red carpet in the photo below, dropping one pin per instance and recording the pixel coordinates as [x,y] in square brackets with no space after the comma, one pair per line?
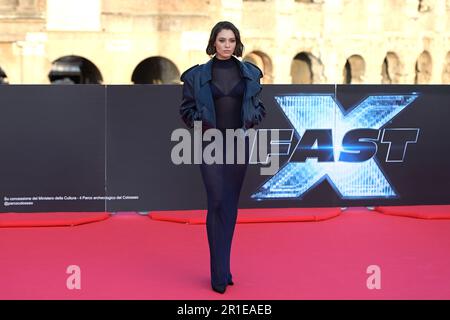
[223,94]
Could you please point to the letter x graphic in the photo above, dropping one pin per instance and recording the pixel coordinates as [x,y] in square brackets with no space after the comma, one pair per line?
[350,180]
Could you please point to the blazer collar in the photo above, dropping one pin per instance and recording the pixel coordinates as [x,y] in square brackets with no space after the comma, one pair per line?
[206,72]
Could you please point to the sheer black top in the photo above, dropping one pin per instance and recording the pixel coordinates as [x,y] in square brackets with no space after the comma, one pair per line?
[227,87]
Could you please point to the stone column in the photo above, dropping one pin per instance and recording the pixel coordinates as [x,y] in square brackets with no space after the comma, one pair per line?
[27,6]
[27,3]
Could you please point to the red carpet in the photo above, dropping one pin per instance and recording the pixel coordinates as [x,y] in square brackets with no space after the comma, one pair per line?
[251,215]
[53,219]
[133,257]
[420,212]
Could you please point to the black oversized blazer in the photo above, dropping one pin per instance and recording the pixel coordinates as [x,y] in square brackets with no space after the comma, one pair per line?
[198,104]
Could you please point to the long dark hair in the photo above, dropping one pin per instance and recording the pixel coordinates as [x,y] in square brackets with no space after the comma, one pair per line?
[210,49]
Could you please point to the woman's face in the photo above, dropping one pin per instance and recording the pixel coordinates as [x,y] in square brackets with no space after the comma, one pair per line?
[225,44]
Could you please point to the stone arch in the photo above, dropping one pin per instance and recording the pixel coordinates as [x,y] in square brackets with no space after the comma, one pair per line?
[424,6]
[263,61]
[391,69]
[74,70]
[354,70]
[3,77]
[306,69]
[423,68]
[446,70]
[156,70]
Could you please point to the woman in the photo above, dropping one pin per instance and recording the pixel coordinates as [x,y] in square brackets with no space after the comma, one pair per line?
[223,94]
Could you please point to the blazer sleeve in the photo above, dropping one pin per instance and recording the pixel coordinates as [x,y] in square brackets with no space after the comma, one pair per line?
[188,108]
[260,110]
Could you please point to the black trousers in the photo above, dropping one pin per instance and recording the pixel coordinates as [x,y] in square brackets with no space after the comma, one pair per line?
[223,184]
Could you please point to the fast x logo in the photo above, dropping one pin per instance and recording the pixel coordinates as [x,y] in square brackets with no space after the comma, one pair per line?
[339,146]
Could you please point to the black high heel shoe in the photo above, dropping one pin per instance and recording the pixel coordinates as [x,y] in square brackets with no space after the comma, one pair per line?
[230,282]
[219,289]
